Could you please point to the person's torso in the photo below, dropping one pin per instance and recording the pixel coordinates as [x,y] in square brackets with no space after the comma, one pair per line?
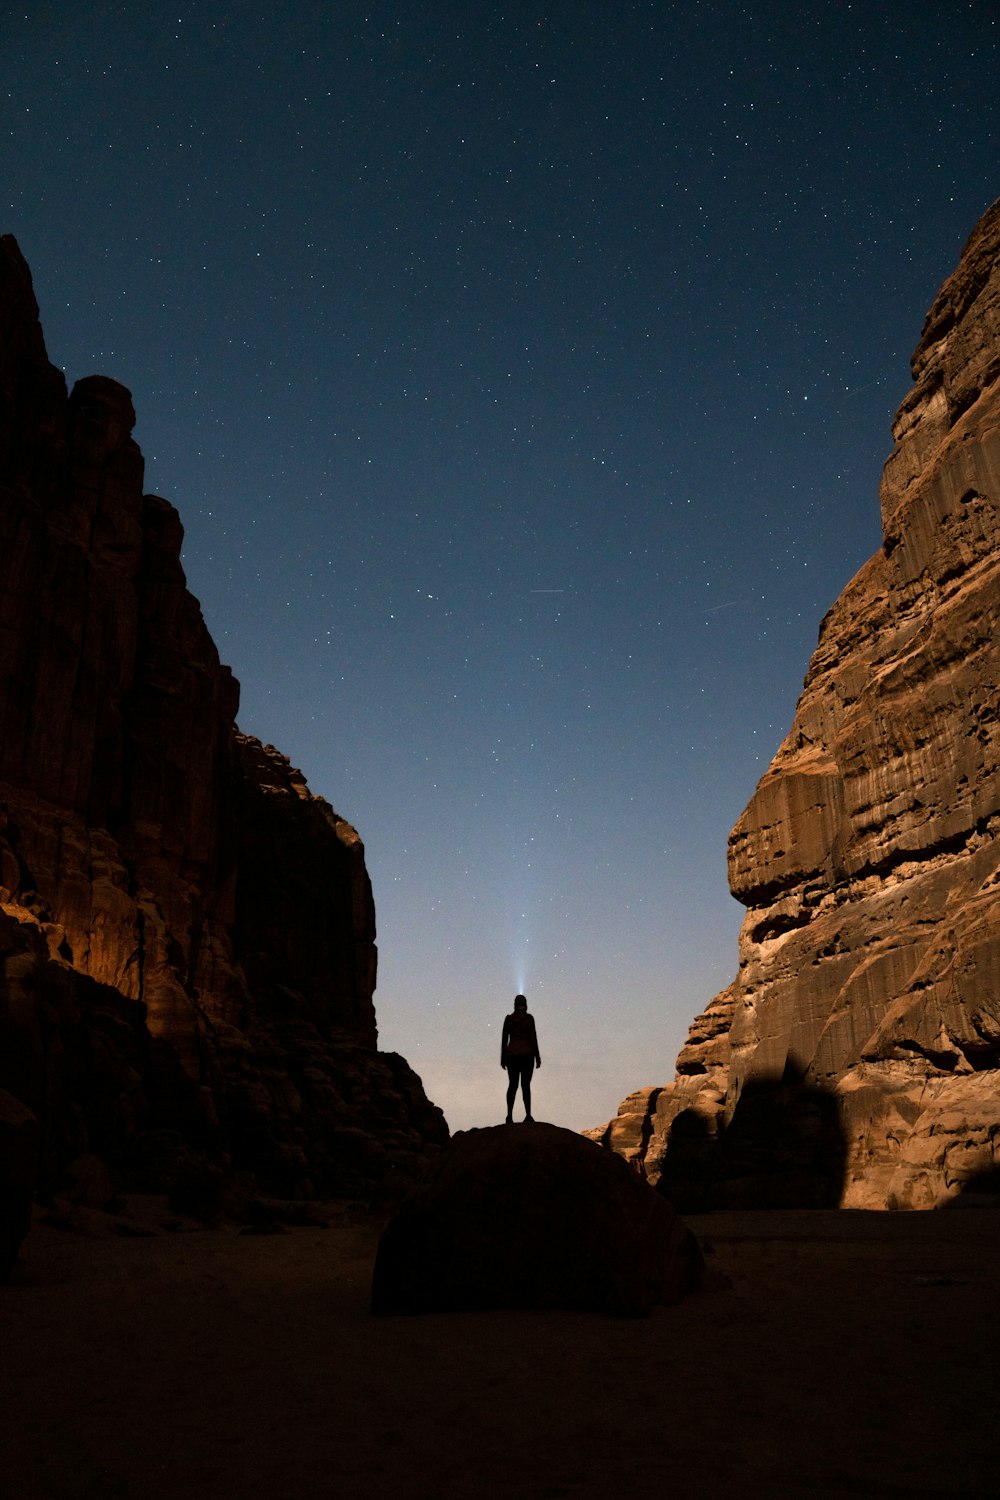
[520,1034]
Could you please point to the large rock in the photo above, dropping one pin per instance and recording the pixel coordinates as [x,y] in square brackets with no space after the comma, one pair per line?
[868,856]
[188,898]
[533,1216]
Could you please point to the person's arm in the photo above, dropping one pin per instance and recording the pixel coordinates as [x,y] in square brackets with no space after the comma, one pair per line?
[503,1042]
[534,1035]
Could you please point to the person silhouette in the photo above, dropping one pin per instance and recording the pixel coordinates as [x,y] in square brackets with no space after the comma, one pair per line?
[519,1054]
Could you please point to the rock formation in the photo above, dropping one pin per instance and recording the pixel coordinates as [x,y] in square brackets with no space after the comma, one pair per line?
[533,1216]
[186,933]
[869,856]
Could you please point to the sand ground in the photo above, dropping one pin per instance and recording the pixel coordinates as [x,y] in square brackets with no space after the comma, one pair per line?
[854,1354]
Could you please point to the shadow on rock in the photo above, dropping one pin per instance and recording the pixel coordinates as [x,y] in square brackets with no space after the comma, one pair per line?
[784,1147]
[982,1190]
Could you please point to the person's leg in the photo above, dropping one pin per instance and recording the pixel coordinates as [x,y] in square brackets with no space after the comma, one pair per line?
[511,1089]
[527,1069]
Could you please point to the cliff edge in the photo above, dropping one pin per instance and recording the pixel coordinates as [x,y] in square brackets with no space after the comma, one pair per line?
[856,1057]
[187,935]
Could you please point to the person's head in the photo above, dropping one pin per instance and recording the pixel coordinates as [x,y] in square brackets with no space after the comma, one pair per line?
[520,1002]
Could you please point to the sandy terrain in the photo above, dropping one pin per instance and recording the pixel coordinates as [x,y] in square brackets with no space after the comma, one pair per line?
[854,1354]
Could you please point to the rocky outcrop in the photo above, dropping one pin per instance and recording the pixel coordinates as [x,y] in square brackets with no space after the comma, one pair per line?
[532,1216]
[869,856]
[173,900]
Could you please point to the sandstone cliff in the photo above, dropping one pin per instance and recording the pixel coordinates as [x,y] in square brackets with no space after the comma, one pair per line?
[186,934]
[855,1058]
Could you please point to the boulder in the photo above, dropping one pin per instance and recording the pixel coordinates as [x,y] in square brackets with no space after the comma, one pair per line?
[533,1216]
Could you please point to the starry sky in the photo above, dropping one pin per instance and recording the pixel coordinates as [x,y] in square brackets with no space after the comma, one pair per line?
[523,375]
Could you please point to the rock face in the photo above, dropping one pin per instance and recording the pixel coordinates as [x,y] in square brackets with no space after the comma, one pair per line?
[533,1216]
[186,933]
[869,856]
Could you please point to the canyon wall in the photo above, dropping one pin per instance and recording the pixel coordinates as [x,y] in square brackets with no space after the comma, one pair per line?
[856,1057]
[187,935]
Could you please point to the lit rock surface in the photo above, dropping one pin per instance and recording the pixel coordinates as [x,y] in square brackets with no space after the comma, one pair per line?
[159,870]
[869,856]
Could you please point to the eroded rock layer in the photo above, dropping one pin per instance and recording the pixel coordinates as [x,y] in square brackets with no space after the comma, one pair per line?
[180,919]
[869,856]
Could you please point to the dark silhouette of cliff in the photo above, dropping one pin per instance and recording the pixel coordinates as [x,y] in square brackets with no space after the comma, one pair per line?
[187,934]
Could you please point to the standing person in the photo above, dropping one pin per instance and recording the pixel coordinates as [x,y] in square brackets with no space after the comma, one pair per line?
[519,1054]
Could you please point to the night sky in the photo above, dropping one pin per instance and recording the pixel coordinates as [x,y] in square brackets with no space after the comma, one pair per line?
[523,376]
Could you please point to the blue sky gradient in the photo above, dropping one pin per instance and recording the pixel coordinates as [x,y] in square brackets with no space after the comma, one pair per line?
[522,375]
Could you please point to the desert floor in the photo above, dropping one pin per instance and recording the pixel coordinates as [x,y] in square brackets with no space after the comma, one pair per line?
[853,1354]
